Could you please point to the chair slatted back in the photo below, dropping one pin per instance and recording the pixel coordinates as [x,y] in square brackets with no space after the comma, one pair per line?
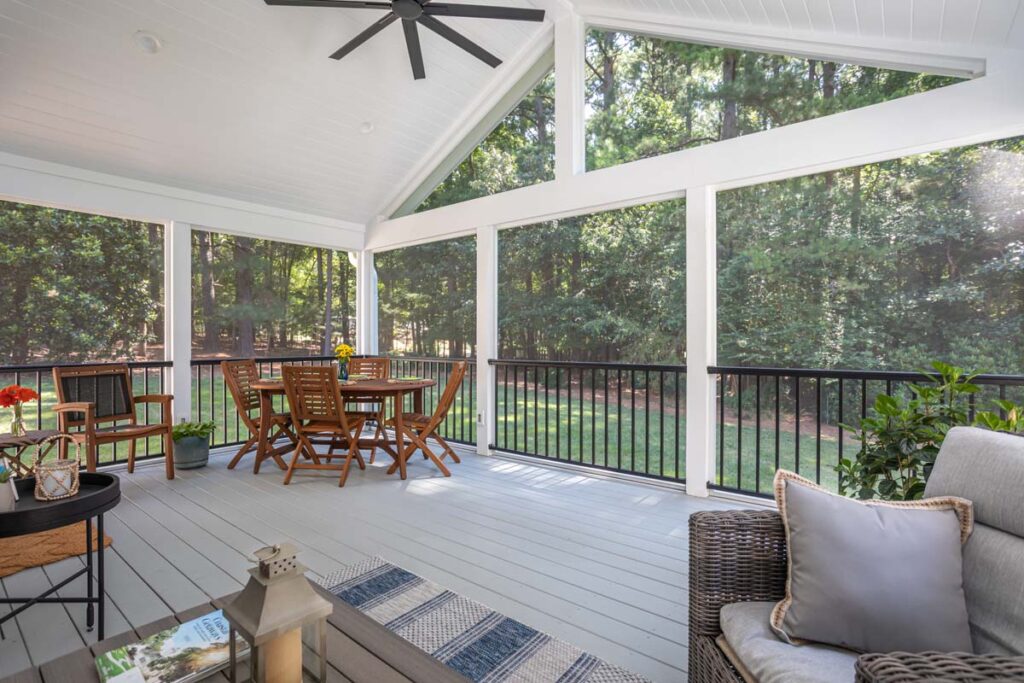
[313,394]
[239,376]
[374,368]
[107,387]
[451,390]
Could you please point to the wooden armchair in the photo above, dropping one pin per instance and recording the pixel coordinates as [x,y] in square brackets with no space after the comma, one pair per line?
[318,412]
[419,427]
[374,368]
[239,376]
[92,400]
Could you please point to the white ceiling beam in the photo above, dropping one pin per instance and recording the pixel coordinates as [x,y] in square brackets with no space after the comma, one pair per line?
[939,58]
[39,182]
[973,111]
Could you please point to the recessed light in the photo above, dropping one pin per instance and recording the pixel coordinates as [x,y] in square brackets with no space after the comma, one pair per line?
[366,128]
[148,42]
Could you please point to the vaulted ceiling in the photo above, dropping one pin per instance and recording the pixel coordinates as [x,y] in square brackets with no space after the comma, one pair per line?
[242,101]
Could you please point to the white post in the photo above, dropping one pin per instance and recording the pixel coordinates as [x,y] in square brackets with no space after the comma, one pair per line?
[178,315]
[367,340]
[486,333]
[701,337]
[570,87]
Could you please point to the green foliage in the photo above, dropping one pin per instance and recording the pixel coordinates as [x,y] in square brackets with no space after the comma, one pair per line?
[78,287]
[900,441]
[183,430]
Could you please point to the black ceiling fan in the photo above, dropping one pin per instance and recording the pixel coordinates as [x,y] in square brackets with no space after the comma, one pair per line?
[424,12]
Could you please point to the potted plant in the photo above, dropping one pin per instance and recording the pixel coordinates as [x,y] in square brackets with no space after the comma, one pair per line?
[192,444]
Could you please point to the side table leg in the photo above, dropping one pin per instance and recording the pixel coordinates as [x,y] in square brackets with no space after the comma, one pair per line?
[89,611]
[99,571]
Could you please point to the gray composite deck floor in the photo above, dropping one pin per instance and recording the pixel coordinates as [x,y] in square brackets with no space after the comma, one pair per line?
[599,563]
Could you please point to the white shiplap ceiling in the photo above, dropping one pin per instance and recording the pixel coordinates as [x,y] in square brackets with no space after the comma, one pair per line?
[989,23]
[242,100]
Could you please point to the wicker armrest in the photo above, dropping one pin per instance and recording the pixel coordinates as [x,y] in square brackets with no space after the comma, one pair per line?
[904,667]
[735,556]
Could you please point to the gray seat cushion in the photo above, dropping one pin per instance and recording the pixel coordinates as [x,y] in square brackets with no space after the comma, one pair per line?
[770,660]
[986,468]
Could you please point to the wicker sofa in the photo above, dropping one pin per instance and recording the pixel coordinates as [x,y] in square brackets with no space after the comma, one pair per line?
[740,556]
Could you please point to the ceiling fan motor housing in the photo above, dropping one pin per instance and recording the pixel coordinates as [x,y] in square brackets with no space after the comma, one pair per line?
[407,9]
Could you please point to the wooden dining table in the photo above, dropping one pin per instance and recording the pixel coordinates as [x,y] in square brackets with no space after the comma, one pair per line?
[352,391]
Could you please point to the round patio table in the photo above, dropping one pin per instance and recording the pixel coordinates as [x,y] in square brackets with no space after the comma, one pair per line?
[97,493]
[394,390]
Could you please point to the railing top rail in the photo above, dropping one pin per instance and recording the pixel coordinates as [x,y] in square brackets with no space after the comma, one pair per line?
[32,367]
[599,365]
[259,359]
[896,376]
[428,359]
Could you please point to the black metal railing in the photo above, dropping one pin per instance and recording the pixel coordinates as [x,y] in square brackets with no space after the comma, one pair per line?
[211,400]
[615,416]
[791,418]
[148,377]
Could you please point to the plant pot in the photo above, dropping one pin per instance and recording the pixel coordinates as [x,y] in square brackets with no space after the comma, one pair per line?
[8,496]
[191,452]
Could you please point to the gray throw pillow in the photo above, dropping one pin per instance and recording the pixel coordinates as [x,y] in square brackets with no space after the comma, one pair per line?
[873,576]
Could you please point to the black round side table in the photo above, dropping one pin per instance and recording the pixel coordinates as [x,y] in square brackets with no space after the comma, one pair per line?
[97,493]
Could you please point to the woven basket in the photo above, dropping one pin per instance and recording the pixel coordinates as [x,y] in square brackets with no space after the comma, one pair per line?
[58,479]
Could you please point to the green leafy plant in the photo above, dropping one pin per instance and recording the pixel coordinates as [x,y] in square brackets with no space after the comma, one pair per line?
[5,475]
[900,441]
[183,430]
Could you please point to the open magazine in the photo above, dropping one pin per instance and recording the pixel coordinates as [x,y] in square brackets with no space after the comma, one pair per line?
[187,652]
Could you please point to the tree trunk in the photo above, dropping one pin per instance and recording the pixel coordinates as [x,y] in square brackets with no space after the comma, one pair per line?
[346,304]
[208,291]
[156,277]
[730,114]
[608,93]
[329,307]
[244,284]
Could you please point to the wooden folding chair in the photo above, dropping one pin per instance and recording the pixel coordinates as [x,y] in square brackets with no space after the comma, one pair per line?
[92,396]
[419,428]
[239,376]
[374,368]
[319,411]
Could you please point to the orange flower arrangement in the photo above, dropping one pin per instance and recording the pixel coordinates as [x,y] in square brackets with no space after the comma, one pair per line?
[15,395]
[12,397]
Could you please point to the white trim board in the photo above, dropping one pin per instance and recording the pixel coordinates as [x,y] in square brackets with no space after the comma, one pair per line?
[33,181]
[987,108]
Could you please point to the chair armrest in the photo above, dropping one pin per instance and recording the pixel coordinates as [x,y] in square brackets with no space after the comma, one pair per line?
[80,407]
[154,398]
[735,556]
[908,667]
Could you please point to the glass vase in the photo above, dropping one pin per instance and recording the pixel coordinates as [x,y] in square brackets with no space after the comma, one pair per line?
[343,370]
[18,422]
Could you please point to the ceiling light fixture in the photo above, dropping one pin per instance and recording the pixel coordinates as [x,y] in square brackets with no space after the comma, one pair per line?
[148,42]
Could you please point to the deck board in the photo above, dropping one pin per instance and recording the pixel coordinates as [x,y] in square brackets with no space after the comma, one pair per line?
[598,562]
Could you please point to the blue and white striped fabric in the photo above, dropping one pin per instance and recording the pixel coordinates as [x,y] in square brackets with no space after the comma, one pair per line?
[479,643]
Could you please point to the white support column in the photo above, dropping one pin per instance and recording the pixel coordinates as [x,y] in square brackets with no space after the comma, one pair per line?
[486,333]
[367,339]
[570,87]
[701,337]
[178,315]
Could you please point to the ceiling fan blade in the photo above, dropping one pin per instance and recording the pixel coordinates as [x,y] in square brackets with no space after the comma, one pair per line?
[440,9]
[412,41]
[346,4]
[374,29]
[459,39]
